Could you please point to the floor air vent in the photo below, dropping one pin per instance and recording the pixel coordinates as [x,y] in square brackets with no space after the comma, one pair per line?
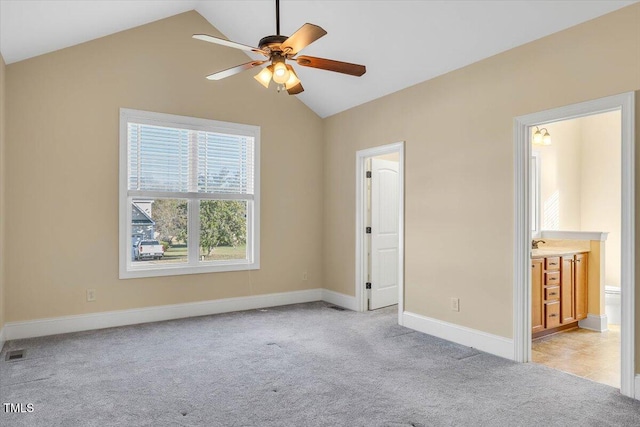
[335,307]
[14,355]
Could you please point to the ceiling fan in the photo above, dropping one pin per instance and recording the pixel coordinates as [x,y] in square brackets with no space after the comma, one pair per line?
[278,49]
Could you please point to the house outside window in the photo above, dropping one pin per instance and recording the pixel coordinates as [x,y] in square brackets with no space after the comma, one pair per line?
[189,195]
[142,225]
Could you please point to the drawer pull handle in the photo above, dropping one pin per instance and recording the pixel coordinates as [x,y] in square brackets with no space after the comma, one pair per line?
[552,293]
[553,315]
[553,263]
[578,260]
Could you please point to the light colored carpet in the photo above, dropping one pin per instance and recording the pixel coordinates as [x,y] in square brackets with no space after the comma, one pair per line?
[299,365]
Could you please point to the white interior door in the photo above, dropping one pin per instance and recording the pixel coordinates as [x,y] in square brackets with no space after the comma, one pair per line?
[384,233]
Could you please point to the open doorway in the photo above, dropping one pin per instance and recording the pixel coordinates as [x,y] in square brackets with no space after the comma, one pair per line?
[576,234]
[379,227]
[523,277]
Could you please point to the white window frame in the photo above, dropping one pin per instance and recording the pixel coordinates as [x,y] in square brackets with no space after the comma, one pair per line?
[193,266]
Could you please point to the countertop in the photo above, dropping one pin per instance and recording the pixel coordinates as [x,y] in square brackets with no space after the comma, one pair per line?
[556,251]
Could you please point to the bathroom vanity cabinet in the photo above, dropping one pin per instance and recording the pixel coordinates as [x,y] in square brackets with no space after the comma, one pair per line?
[558,292]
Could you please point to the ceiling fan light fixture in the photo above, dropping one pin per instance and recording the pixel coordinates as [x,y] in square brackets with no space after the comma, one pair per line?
[278,49]
[264,76]
[280,73]
[293,79]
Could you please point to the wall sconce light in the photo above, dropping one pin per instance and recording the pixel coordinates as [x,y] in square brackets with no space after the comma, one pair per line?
[540,138]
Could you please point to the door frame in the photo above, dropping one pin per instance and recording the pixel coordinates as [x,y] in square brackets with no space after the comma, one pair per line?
[361,203]
[625,103]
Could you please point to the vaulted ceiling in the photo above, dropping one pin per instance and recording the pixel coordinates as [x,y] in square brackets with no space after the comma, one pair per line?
[401,42]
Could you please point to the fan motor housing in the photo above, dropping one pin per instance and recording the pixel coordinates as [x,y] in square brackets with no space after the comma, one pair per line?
[272,43]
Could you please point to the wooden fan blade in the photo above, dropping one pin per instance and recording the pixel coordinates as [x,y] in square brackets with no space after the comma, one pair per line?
[331,65]
[296,89]
[228,43]
[234,70]
[302,38]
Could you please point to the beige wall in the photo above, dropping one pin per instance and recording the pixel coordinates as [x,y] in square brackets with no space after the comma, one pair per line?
[62,180]
[2,191]
[458,130]
[601,185]
[560,175]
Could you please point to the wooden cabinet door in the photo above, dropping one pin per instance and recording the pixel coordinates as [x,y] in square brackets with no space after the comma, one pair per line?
[537,308]
[580,286]
[552,314]
[567,307]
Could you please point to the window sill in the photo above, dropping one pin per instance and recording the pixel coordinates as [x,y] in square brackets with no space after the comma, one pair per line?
[132,272]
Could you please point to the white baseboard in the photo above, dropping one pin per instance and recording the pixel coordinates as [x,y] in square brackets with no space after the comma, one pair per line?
[85,322]
[483,341]
[346,301]
[595,322]
[637,387]
[1,338]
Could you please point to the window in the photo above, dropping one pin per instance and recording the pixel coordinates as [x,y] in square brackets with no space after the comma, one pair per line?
[189,195]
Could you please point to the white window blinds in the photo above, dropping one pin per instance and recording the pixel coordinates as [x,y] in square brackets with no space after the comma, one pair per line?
[225,163]
[169,159]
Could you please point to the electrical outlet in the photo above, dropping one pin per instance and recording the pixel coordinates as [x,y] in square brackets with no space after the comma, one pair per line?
[455,304]
[91,295]
[304,275]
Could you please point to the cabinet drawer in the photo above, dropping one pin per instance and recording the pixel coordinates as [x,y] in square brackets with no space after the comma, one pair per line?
[552,293]
[552,263]
[552,314]
[552,278]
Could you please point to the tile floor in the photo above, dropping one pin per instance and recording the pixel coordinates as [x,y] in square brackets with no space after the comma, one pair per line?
[588,354]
